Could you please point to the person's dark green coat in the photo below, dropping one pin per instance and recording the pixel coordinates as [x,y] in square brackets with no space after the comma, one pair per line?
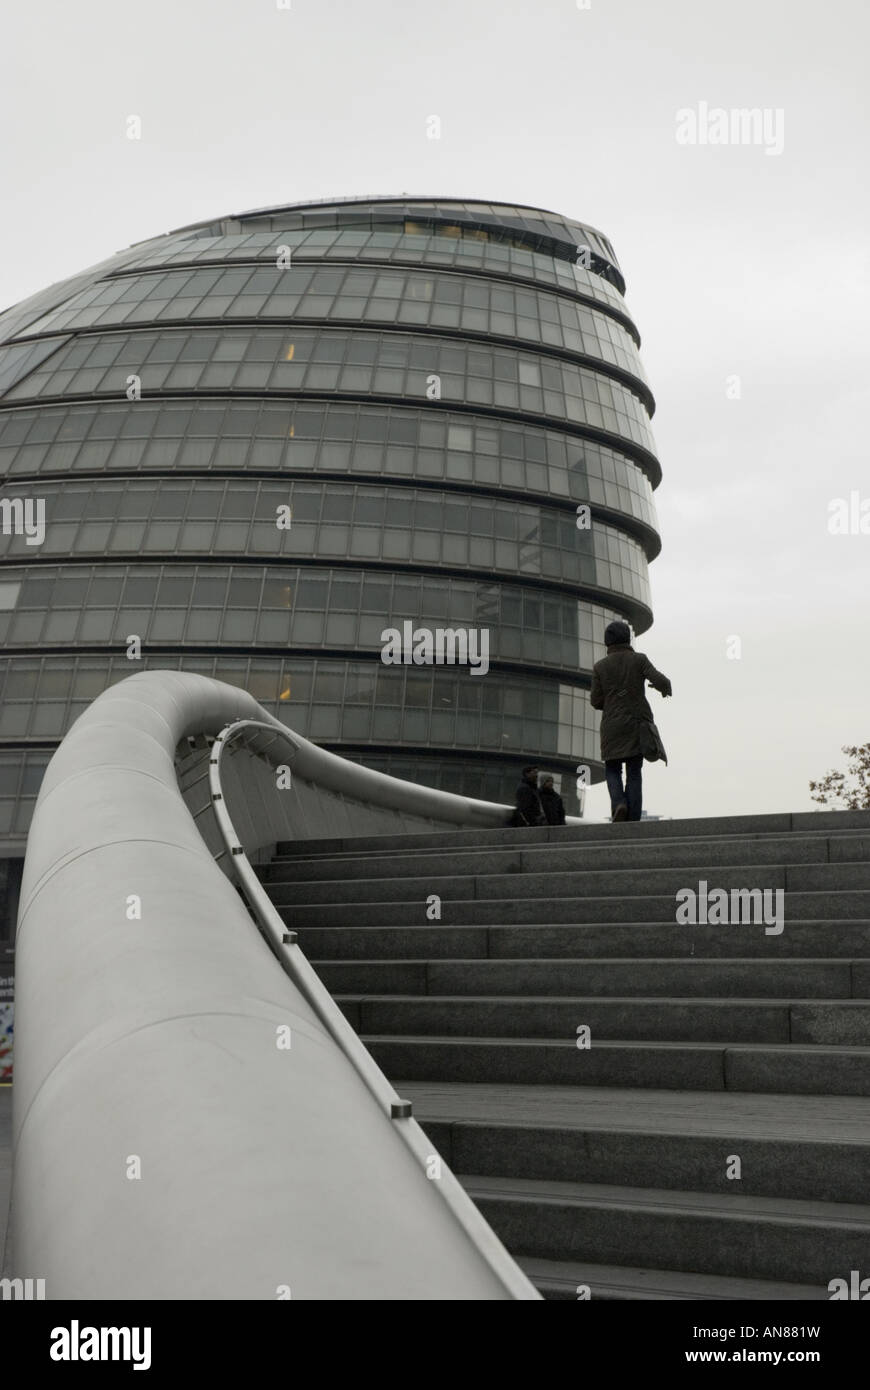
[618,684]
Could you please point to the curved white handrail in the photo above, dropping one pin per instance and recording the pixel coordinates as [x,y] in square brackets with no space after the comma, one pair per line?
[166,1143]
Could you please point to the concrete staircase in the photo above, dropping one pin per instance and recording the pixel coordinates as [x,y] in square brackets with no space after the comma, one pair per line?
[716,1050]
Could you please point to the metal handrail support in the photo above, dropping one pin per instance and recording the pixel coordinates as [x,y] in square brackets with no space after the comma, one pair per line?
[295,963]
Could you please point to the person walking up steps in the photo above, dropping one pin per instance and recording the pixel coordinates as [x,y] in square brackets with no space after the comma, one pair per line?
[628,733]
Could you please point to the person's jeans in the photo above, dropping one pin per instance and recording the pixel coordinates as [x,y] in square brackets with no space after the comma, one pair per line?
[632,793]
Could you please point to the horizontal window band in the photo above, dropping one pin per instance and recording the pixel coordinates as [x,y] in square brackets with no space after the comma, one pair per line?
[536,234]
[431,754]
[484,755]
[632,383]
[27,744]
[619,521]
[343,425]
[647,461]
[639,615]
[383,264]
[558,675]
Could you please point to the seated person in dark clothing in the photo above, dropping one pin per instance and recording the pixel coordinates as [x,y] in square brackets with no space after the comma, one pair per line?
[551,801]
[529,810]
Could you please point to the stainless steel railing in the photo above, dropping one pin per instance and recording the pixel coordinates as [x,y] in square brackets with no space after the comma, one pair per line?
[293,961]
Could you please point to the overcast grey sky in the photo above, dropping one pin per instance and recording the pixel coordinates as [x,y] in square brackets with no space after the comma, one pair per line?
[739,263]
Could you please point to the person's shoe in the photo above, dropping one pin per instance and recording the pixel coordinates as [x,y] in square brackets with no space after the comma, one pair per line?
[621,812]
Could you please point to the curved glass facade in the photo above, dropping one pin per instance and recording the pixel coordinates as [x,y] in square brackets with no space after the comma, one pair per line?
[352,363]
[316,436]
[339,522]
[475,257]
[259,445]
[311,608]
[410,298]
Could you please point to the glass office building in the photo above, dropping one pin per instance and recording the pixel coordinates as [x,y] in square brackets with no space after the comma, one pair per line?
[257,443]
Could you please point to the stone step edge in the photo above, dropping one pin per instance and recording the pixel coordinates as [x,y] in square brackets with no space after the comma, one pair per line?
[823,894]
[393,844]
[334,847]
[789,1049]
[779,1210]
[831,923]
[525,961]
[563,1276]
[293,893]
[662,1000]
[648,1129]
[350,856]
